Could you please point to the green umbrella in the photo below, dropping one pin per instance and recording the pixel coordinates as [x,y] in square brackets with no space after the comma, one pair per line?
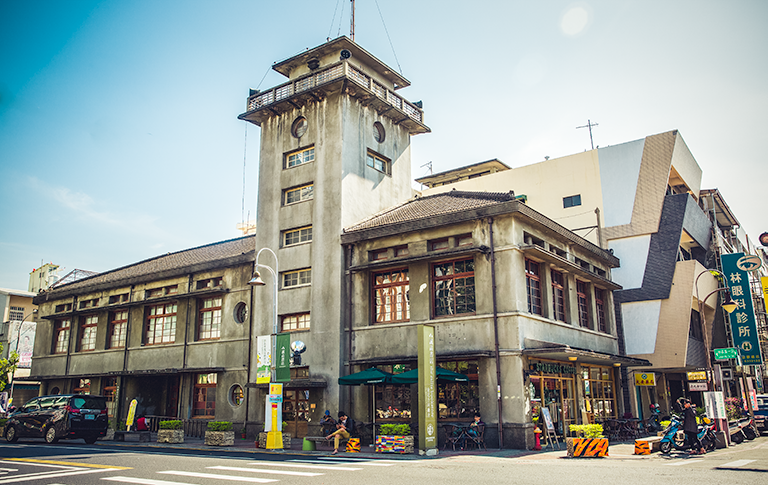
[412,376]
[368,376]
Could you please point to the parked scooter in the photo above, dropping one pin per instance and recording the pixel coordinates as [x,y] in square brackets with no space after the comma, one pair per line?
[654,424]
[675,439]
[742,429]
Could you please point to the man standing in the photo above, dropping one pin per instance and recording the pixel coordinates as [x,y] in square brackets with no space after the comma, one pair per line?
[344,426]
[691,429]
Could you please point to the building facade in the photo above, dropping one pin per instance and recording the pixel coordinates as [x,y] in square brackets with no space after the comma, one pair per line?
[17,334]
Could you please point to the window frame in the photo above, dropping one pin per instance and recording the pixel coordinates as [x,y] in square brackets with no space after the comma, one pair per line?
[299,276]
[533,283]
[204,389]
[211,329]
[304,234]
[582,302]
[397,292]
[302,324]
[571,201]
[602,318]
[372,157]
[304,153]
[117,327]
[61,345]
[453,276]
[434,243]
[154,331]
[87,332]
[558,295]
[301,190]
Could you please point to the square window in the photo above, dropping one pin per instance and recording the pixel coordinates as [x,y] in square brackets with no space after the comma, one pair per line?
[379,254]
[571,201]
[378,162]
[438,244]
[300,157]
[297,278]
[299,194]
[297,236]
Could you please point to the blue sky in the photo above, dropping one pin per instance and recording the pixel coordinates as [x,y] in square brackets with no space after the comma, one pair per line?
[119,137]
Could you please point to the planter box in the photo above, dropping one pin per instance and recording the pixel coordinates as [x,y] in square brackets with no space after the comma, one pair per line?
[110,436]
[170,436]
[394,444]
[286,440]
[219,438]
[587,447]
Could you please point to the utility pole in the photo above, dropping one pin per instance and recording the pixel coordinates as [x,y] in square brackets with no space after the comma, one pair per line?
[588,125]
[352,22]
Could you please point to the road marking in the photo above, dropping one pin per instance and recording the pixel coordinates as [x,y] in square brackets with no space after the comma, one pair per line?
[736,463]
[263,470]
[367,463]
[68,463]
[356,461]
[684,462]
[311,467]
[38,476]
[219,477]
[329,465]
[144,481]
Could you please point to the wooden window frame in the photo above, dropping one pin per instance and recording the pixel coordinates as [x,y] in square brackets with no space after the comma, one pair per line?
[117,329]
[602,321]
[582,298]
[305,193]
[384,164]
[464,237]
[558,295]
[167,320]
[393,295]
[379,254]
[433,244]
[209,330]
[401,251]
[300,275]
[533,286]
[302,322]
[204,390]
[87,333]
[454,295]
[303,155]
[302,235]
[61,335]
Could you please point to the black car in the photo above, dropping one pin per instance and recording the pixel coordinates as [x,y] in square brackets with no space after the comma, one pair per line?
[60,417]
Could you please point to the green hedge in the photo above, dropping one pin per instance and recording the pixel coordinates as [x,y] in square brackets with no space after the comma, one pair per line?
[219,426]
[394,429]
[171,424]
[587,430]
[3,421]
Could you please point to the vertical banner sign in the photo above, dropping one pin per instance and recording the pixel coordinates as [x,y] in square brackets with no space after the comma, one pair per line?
[22,338]
[427,388]
[131,414]
[263,359]
[283,369]
[743,325]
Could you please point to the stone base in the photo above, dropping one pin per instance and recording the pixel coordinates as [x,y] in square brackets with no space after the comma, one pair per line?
[219,438]
[286,440]
[170,436]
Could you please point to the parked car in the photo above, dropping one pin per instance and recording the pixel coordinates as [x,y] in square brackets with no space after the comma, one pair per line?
[761,413]
[60,417]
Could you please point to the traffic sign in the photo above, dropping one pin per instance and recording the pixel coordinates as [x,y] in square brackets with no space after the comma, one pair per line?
[726,353]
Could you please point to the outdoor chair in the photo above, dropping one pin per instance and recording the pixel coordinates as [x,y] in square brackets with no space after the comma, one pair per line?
[478,439]
[453,435]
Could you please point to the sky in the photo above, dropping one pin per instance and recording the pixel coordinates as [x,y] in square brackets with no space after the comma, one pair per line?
[119,137]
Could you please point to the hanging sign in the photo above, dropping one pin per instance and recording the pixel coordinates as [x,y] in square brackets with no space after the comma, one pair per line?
[697,386]
[726,353]
[283,367]
[697,376]
[743,325]
[645,379]
[263,359]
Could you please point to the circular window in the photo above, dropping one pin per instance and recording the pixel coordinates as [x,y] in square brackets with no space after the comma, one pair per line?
[299,127]
[378,132]
[55,391]
[236,397]
[241,312]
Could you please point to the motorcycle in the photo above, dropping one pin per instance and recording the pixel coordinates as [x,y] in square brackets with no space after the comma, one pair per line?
[742,429]
[654,424]
[674,438]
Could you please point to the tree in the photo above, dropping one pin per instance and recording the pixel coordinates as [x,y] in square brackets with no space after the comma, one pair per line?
[7,367]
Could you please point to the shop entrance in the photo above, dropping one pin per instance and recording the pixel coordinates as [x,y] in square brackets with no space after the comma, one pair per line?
[552,387]
[296,412]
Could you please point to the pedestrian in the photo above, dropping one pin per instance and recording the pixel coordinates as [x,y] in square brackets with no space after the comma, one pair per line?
[327,422]
[691,428]
[344,426]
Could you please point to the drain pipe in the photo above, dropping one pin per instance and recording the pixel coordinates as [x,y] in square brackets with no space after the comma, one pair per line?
[496,334]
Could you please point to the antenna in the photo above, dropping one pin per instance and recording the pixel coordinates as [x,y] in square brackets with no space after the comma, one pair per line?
[352,22]
[589,125]
[429,166]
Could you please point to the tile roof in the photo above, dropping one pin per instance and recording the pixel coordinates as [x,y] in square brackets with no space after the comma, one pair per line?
[420,208]
[167,263]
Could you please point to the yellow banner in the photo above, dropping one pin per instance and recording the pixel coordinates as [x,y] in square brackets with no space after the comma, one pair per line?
[697,376]
[764,281]
[645,379]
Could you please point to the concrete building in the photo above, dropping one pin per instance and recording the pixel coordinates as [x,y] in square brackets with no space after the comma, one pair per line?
[17,334]
[640,199]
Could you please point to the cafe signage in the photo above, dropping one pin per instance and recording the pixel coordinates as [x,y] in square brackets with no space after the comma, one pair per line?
[552,368]
[427,388]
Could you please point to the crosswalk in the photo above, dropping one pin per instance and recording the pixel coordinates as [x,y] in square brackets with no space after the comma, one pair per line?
[256,471]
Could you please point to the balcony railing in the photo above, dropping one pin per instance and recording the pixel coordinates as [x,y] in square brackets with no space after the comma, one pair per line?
[331,73]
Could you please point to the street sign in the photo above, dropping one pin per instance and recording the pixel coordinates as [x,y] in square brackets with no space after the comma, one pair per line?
[726,353]
[743,324]
[645,379]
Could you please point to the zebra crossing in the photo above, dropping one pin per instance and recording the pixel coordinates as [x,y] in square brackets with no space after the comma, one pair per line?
[256,471]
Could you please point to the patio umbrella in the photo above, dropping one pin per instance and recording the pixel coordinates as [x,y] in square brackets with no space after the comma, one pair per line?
[368,376]
[412,376]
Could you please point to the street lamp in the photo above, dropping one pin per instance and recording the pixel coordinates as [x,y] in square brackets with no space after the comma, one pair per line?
[18,339]
[728,305]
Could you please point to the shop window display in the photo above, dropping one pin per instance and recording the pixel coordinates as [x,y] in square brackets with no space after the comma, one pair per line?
[458,400]
[599,395]
[552,386]
[393,401]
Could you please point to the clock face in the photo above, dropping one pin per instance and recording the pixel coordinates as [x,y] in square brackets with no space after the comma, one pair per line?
[764,239]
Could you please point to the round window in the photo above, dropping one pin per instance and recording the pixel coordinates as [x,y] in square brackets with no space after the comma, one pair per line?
[236,397]
[378,132]
[55,391]
[241,312]
[299,127]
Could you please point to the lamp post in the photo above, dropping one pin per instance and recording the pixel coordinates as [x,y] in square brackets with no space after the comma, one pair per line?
[274,435]
[18,339]
[728,305]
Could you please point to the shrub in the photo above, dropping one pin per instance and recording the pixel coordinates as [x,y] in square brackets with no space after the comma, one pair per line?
[171,424]
[219,426]
[394,429]
[587,430]
[3,421]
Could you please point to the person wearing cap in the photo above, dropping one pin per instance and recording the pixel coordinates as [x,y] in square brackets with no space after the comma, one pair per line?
[327,422]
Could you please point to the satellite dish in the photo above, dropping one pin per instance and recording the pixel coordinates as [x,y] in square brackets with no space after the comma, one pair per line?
[345,54]
[298,347]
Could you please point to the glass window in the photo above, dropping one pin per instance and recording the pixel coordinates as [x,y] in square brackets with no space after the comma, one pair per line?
[438,244]
[378,132]
[300,321]
[393,402]
[558,296]
[299,127]
[110,393]
[210,318]
[300,157]
[465,240]
[583,301]
[600,309]
[533,286]
[204,405]
[88,332]
[390,296]
[61,336]
[401,251]
[459,400]
[379,254]
[161,324]
[377,162]
[297,236]
[599,395]
[117,326]
[571,201]
[297,278]
[236,396]
[299,194]
[453,287]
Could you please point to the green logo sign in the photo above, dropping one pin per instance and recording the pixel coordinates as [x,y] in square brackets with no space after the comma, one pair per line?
[725,354]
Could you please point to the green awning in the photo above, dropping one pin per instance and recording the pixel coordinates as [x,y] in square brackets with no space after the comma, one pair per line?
[368,376]
[412,376]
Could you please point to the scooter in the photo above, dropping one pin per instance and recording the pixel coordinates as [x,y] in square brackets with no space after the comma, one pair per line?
[742,429]
[654,424]
[674,438]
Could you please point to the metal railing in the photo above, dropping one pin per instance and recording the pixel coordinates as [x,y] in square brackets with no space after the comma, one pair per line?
[193,428]
[333,72]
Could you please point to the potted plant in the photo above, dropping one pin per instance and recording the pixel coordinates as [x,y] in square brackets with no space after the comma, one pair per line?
[219,433]
[588,442]
[394,438]
[171,431]
[242,432]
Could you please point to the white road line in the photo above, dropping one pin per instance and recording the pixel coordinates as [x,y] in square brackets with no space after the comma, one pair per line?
[264,470]
[366,463]
[360,461]
[219,477]
[55,475]
[144,481]
[736,463]
[329,465]
[311,467]
[683,462]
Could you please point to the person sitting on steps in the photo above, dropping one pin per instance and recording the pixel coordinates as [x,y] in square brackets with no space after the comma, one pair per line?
[344,426]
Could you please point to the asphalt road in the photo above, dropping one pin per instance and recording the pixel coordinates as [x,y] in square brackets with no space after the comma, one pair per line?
[65,463]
